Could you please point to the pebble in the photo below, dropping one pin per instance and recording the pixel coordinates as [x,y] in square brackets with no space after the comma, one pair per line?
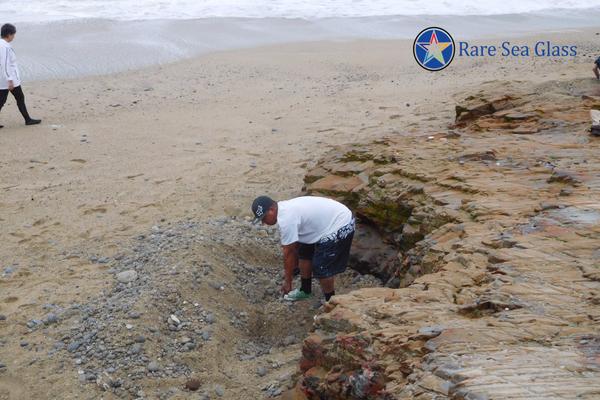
[193,384]
[261,371]
[289,340]
[219,390]
[73,346]
[136,348]
[154,367]
[2,317]
[210,318]
[127,276]
[133,315]
[24,343]
[206,335]
[51,319]
[140,339]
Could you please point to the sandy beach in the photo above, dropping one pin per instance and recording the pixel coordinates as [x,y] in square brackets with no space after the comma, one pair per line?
[198,139]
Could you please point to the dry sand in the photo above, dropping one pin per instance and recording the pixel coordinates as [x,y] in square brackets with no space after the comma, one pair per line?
[200,138]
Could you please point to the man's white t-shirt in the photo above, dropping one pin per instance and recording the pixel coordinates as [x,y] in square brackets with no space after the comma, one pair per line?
[9,69]
[308,219]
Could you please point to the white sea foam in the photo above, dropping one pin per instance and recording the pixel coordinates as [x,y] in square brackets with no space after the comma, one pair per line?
[52,10]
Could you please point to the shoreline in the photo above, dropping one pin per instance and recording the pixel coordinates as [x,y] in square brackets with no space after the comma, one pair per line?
[93,47]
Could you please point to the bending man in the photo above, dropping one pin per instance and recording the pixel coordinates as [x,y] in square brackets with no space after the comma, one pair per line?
[316,236]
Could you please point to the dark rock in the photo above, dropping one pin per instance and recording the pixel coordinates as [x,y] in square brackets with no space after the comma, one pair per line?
[73,346]
[193,384]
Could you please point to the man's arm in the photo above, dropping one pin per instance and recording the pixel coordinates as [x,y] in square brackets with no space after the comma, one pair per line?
[290,262]
[4,63]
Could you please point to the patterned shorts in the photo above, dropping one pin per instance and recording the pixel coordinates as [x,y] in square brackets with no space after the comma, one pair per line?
[329,255]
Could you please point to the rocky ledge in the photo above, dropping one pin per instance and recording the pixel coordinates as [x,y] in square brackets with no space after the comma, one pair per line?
[488,234]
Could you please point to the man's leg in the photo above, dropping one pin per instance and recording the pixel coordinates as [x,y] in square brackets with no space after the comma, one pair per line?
[3,97]
[336,265]
[20,98]
[305,275]
[328,287]
[305,255]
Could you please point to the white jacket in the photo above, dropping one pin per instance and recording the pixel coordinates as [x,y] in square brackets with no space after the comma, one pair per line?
[9,69]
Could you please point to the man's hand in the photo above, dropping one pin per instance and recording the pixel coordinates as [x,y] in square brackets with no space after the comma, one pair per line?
[290,261]
[286,287]
[11,85]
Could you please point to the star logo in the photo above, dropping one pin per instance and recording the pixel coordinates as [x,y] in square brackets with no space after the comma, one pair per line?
[433,49]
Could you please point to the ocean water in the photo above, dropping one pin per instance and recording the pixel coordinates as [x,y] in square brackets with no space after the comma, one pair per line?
[126,10]
[71,38]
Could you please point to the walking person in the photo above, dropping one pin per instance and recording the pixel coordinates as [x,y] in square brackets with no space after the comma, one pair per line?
[10,79]
[316,236]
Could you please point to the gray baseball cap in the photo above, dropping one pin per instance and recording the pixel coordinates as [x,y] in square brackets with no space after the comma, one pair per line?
[260,206]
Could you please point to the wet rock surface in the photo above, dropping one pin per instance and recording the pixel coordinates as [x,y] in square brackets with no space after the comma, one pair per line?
[496,239]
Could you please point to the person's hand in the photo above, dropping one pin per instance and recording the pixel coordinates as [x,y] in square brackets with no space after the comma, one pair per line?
[11,86]
[286,287]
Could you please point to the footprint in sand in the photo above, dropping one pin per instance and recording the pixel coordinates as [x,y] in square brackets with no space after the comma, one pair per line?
[101,210]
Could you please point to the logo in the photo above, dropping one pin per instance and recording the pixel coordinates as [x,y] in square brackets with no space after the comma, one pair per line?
[259,211]
[434,49]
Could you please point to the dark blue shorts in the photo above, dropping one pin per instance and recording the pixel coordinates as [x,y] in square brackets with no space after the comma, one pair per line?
[329,257]
[597,62]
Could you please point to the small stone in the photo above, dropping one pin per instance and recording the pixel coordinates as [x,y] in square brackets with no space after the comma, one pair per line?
[24,343]
[217,285]
[174,320]
[73,346]
[210,318]
[34,323]
[128,326]
[193,384]
[219,390]
[51,319]
[154,367]
[289,340]
[133,315]
[127,276]
[261,371]
[136,348]
[189,346]
[140,339]
[2,317]
[206,335]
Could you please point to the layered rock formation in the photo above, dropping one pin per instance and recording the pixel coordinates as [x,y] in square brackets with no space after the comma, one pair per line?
[492,230]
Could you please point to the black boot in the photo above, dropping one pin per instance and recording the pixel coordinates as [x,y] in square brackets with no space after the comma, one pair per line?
[32,121]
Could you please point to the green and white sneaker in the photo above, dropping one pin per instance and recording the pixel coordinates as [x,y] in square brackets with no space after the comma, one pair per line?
[297,295]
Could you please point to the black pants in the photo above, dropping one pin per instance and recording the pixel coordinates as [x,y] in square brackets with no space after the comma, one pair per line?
[19,97]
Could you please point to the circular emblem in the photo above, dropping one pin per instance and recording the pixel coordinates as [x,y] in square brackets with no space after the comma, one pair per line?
[433,49]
